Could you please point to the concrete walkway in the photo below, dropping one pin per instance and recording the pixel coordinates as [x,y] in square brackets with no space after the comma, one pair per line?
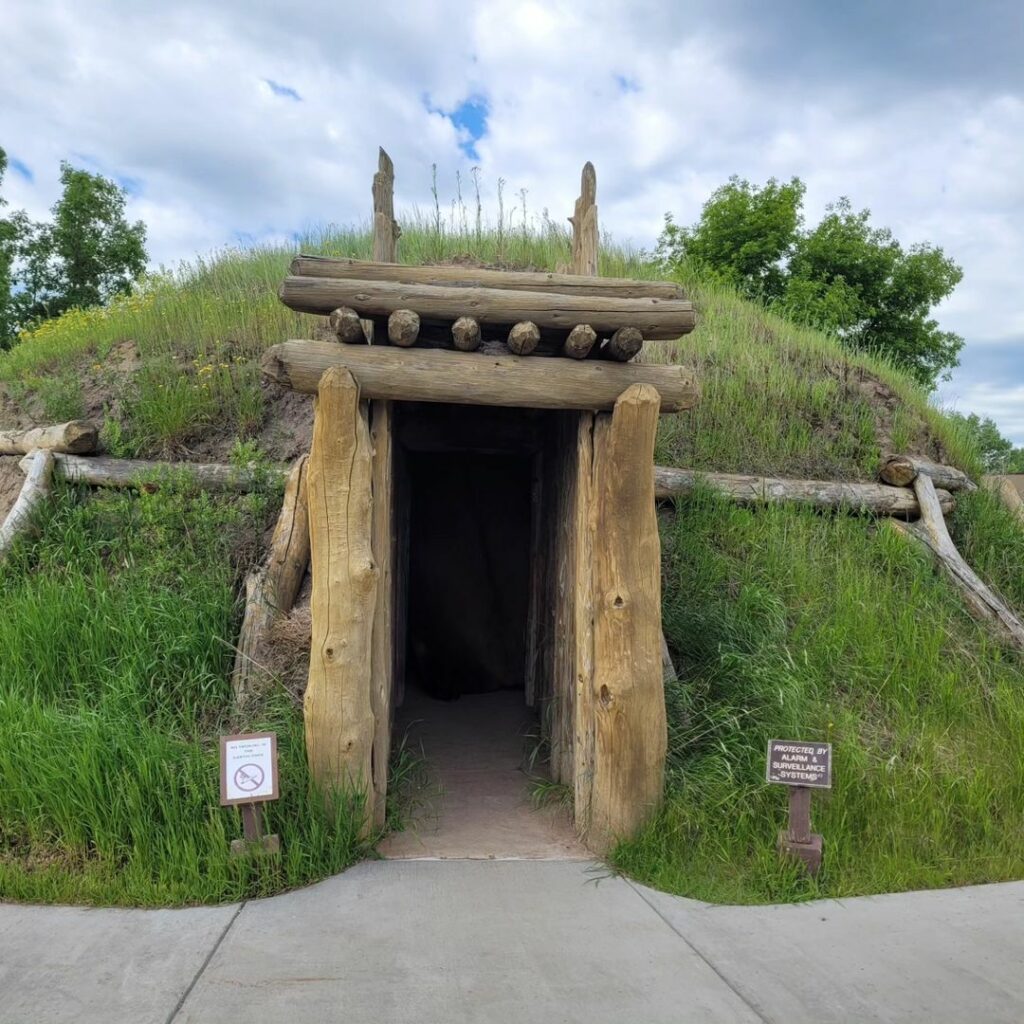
[517,941]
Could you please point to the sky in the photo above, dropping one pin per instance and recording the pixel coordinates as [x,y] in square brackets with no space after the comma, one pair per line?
[236,122]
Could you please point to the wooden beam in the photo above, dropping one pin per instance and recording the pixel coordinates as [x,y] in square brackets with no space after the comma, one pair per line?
[339,718]
[469,378]
[902,470]
[654,318]
[77,436]
[585,239]
[980,600]
[385,228]
[474,277]
[628,694]
[271,589]
[34,491]
[100,471]
[382,656]
[879,499]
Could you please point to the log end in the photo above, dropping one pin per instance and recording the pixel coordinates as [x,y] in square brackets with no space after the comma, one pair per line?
[403,328]
[523,338]
[274,367]
[81,437]
[897,470]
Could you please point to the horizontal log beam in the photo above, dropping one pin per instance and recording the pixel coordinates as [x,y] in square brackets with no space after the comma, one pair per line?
[469,378]
[99,471]
[77,436]
[474,277]
[903,470]
[879,499]
[654,318]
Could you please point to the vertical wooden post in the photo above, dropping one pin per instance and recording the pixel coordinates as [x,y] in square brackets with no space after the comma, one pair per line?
[628,698]
[338,705]
[584,524]
[800,814]
[383,653]
[385,227]
[585,240]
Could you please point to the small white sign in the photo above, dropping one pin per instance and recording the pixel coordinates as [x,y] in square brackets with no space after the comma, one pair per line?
[248,768]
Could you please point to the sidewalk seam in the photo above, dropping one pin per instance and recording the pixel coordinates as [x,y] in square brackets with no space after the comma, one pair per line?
[757,1010]
[206,963]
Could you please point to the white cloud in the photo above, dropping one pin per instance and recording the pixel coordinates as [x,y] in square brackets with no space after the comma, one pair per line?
[177,96]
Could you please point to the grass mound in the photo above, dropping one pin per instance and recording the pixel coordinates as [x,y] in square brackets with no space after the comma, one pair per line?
[115,627]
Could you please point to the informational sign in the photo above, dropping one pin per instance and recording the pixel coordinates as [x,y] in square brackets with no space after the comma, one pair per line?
[793,763]
[248,768]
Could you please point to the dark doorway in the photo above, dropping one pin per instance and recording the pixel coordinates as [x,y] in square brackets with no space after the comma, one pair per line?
[469,572]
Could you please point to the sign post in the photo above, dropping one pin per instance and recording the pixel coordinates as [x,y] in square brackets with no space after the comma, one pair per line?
[248,778]
[802,767]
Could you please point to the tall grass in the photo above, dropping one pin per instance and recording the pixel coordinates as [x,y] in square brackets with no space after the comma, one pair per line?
[790,624]
[117,638]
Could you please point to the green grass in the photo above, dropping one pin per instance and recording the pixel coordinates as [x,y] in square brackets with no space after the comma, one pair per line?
[116,638]
[790,624]
[116,627]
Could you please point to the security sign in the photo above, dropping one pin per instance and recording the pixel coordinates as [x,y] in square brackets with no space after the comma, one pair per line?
[248,768]
[796,763]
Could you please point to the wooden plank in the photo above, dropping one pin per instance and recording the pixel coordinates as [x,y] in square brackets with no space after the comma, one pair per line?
[271,590]
[77,436]
[902,470]
[585,240]
[654,318]
[385,228]
[879,499]
[583,525]
[34,491]
[457,276]
[628,697]
[383,653]
[471,378]
[339,718]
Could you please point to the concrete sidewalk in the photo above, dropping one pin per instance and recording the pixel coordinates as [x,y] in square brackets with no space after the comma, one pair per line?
[517,941]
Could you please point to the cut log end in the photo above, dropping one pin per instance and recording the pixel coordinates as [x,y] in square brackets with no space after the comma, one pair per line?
[625,343]
[580,341]
[523,338]
[466,334]
[347,326]
[403,328]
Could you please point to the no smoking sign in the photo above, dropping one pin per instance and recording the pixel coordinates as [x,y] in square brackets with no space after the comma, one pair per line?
[248,768]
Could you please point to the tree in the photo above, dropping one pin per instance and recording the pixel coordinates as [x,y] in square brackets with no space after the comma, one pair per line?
[844,276]
[996,452]
[743,237]
[8,246]
[86,256]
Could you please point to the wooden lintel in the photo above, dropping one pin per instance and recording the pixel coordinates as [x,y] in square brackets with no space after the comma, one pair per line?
[472,378]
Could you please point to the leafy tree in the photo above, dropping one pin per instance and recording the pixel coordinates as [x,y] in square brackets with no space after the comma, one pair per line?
[86,256]
[743,236]
[997,452]
[8,246]
[844,276]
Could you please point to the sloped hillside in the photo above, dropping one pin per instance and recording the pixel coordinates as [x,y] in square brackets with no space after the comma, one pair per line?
[117,623]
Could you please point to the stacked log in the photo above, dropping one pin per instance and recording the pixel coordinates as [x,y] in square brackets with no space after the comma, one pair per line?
[78,436]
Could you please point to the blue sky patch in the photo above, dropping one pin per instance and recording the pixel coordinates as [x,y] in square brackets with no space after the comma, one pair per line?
[285,91]
[21,168]
[627,84]
[469,119]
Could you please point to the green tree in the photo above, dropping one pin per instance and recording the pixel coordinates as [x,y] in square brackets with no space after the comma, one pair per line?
[857,281]
[88,254]
[8,247]
[843,276]
[997,452]
[744,235]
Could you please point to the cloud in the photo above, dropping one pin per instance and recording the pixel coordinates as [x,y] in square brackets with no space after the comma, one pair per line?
[880,102]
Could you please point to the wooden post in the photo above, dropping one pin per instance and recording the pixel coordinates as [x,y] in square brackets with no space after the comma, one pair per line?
[36,489]
[385,227]
[339,716]
[383,654]
[585,239]
[798,840]
[628,697]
